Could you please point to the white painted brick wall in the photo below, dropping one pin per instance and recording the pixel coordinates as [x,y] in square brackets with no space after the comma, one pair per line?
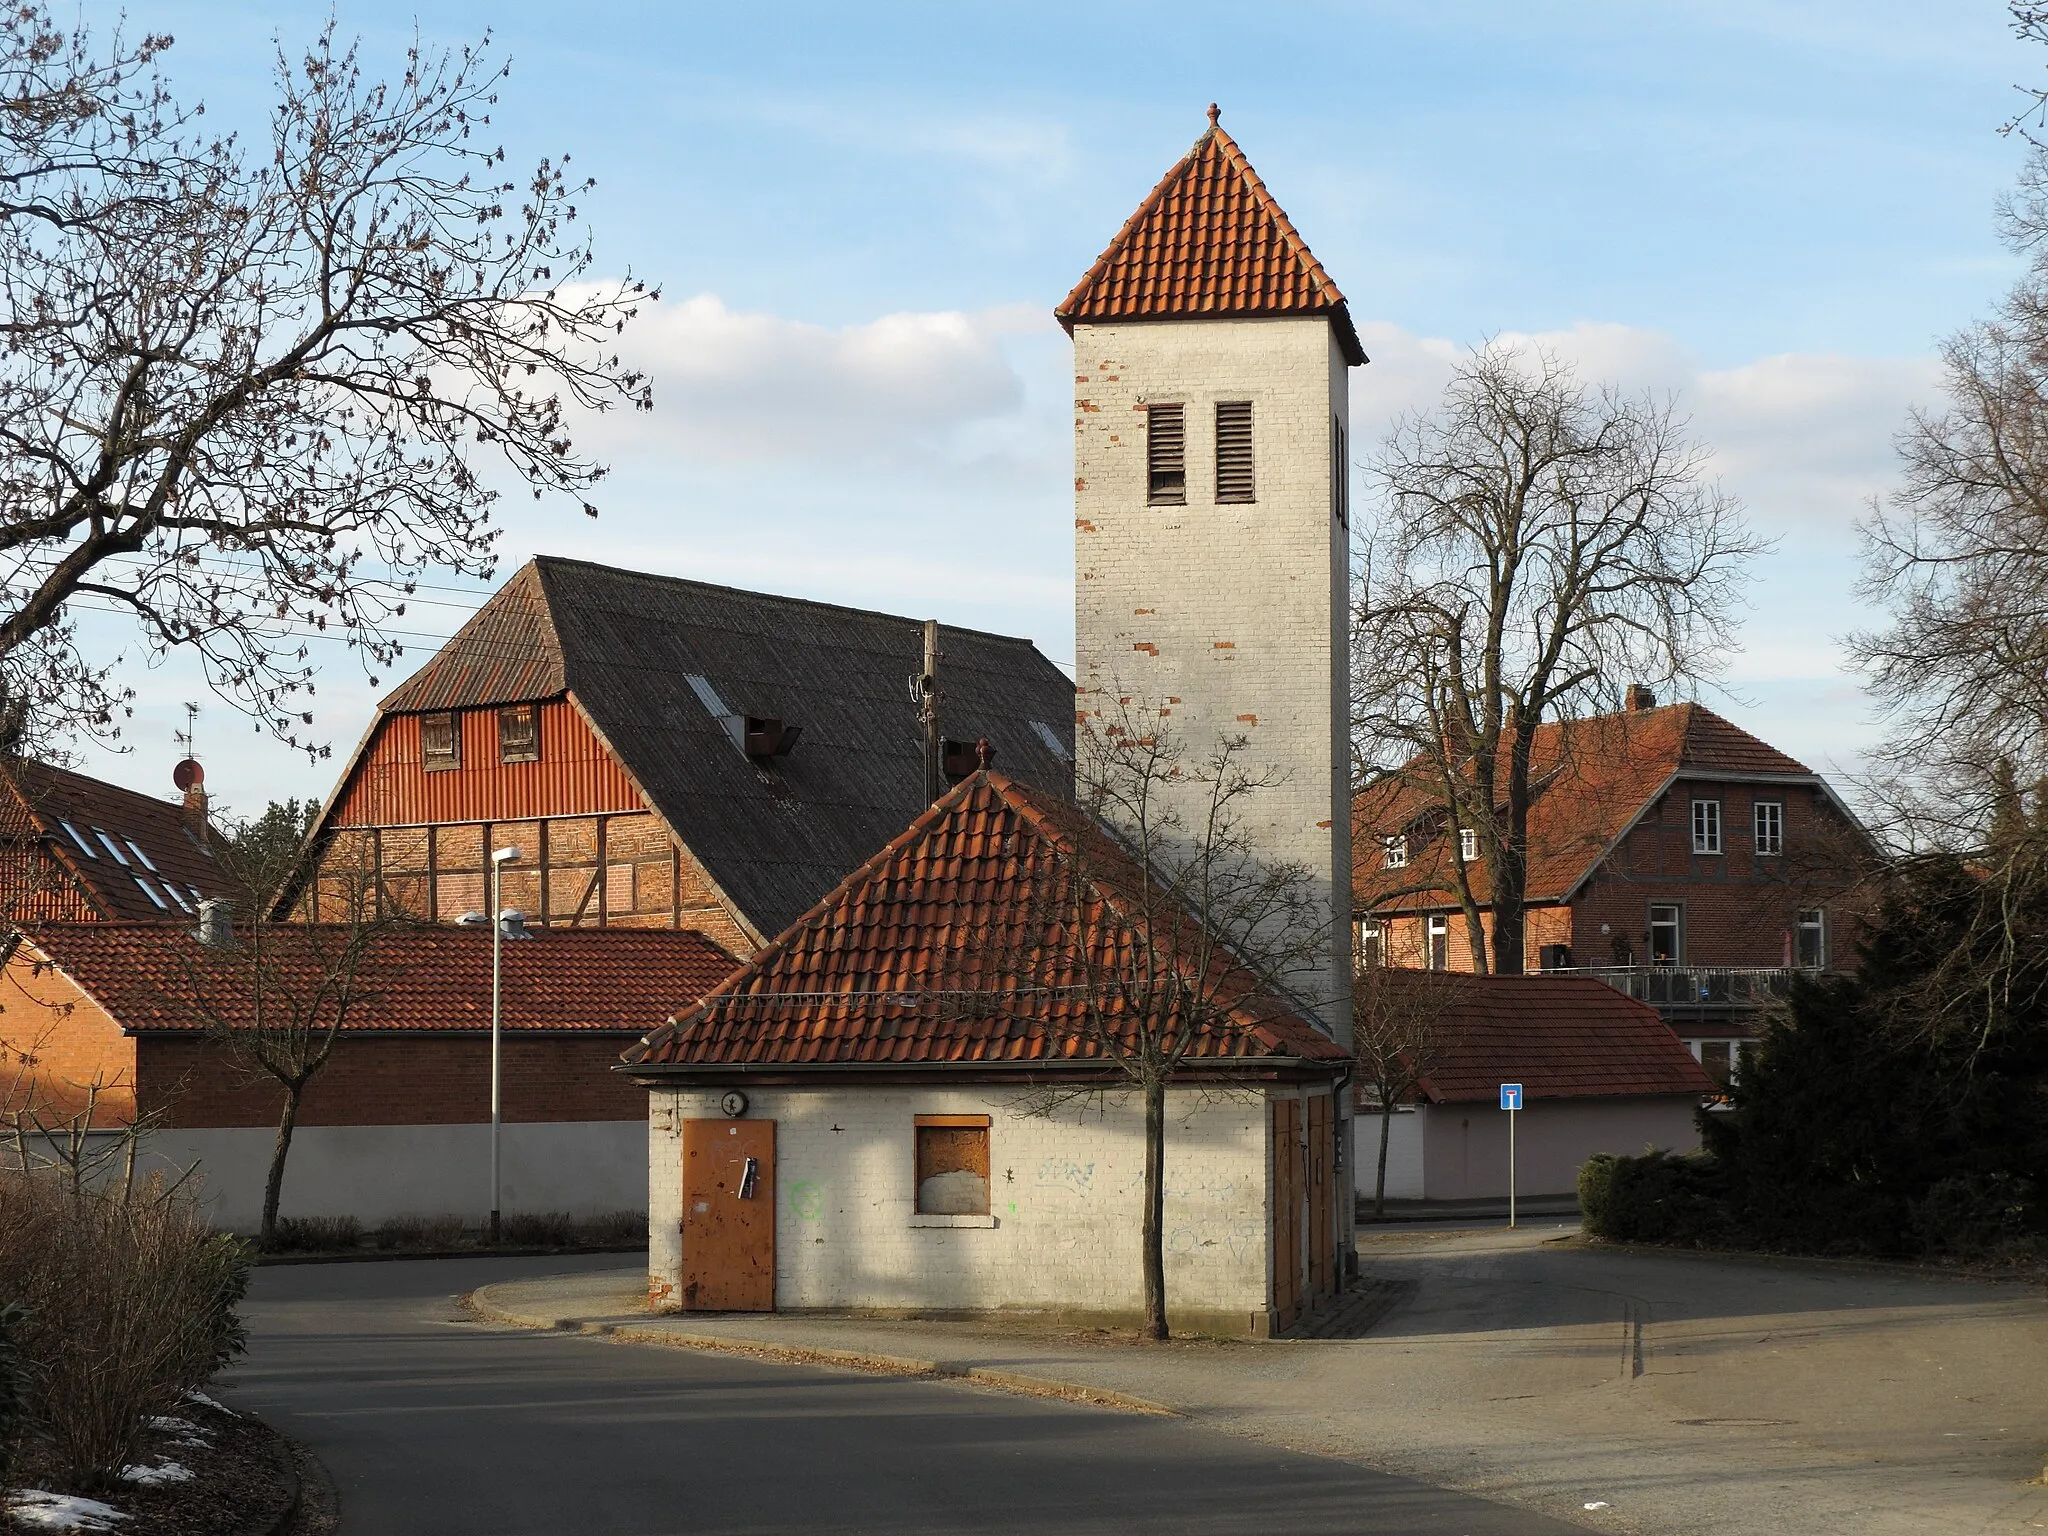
[1065,1193]
[1233,617]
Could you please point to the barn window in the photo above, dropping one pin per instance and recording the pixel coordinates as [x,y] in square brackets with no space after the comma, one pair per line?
[1166,455]
[1706,826]
[441,742]
[1234,451]
[952,1165]
[519,733]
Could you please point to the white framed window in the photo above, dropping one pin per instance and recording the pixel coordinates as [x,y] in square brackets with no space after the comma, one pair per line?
[1810,951]
[1439,957]
[1770,827]
[1369,956]
[1667,933]
[1397,851]
[1468,845]
[1706,826]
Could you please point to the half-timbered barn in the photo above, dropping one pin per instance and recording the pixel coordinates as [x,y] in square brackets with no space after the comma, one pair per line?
[665,753]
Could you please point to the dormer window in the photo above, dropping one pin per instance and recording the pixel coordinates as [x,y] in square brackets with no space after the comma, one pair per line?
[441,742]
[519,733]
[1166,455]
[1468,845]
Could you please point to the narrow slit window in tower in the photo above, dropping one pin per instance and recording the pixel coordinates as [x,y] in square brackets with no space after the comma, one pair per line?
[1234,451]
[1166,455]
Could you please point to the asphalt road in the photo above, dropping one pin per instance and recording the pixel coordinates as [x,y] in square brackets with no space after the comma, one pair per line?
[431,1423]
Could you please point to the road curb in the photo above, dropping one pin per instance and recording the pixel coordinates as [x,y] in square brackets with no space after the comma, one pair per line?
[802,1354]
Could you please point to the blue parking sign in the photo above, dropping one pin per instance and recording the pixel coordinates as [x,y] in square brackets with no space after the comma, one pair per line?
[1510,1095]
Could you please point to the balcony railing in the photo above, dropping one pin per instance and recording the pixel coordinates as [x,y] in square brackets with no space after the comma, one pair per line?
[1693,988]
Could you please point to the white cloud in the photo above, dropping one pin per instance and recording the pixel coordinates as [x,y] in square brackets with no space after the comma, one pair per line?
[733,385]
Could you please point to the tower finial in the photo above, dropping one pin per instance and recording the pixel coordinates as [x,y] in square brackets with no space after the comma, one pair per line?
[1214,113]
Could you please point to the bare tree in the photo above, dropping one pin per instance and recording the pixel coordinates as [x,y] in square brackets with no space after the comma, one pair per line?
[1396,1037]
[1539,544]
[1157,930]
[250,389]
[276,998]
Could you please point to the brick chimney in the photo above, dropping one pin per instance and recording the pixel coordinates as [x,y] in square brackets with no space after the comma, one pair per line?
[195,813]
[1640,697]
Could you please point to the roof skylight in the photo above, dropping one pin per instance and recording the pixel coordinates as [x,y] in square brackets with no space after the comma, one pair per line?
[112,847]
[78,837]
[136,848]
[150,891]
[1051,738]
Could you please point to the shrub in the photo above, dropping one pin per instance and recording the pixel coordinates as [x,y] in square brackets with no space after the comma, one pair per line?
[419,1232]
[1976,1215]
[613,1229]
[130,1304]
[316,1234]
[13,1392]
[1660,1197]
[539,1229]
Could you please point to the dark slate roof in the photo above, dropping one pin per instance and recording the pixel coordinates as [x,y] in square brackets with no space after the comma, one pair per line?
[625,644]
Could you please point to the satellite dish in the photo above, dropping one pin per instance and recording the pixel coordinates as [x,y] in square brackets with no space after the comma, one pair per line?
[188,774]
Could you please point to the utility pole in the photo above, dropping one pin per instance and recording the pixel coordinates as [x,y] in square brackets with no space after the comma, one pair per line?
[934,769]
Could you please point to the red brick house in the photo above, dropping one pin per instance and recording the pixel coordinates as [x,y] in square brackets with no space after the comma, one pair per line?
[397,1122]
[1671,853]
[665,753]
[75,849]
[1600,1072]
[876,1113]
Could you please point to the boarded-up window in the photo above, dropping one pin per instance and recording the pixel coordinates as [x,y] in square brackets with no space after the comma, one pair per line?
[952,1165]
[1340,471]
[1166,455]
[1234,451]
[441,742]
[519,733]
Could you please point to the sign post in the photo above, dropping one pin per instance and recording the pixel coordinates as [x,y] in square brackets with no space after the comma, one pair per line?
[1511,1101]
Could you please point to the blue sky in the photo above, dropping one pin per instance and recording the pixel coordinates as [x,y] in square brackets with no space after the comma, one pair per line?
[861,218]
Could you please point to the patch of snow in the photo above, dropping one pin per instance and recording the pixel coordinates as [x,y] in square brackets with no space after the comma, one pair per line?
[165,1421]
[163,1472]
[201,1397]
[40,1511]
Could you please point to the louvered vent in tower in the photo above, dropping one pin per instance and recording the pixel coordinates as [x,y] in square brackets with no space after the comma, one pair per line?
[1234,451]
[1166,455]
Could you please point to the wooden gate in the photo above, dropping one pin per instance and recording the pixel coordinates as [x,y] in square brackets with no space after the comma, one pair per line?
[728,1216]
[1289,1199]
[1322,1196]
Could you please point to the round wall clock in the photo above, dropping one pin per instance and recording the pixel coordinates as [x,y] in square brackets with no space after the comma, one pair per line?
[734,1104]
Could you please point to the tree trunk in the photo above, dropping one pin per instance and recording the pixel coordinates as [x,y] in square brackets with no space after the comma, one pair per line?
[273,1186]
[1154,1230]
[1379,1189]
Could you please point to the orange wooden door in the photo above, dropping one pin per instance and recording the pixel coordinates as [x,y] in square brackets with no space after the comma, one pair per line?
[1288,1193]
[728,1216]
[1322,1196]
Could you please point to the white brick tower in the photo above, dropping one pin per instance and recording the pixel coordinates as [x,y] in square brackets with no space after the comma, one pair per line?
[1211,357]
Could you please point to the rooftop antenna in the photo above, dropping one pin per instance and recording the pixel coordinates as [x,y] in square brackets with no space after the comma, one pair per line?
[188,776]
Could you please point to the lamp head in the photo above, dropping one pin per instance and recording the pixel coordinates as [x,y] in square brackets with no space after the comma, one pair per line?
[504,855]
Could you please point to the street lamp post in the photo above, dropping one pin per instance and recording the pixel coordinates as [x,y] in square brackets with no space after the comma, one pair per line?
[500,857]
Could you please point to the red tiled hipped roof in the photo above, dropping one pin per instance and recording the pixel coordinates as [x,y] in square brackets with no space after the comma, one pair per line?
[160,977]
[1593,778]
[1209,242]
[1560,1037]
[914,959]
[154,848]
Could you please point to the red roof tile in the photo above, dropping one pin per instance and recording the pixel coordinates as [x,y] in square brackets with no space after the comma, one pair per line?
[1208,243]
[154,976]
[898,965]
[1560,1037]
[153,848]
[1593,778]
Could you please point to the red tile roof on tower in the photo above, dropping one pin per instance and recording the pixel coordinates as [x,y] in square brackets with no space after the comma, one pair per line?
[1209,243]
[1593,778]
[1560,1037]
[154,976]
[130,855]
[902,964]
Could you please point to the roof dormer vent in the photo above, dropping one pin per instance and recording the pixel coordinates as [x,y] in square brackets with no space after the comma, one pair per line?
[769,738]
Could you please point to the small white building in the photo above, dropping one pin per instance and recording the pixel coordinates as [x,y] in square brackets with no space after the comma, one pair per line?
[880,1113]
[1599,1072]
